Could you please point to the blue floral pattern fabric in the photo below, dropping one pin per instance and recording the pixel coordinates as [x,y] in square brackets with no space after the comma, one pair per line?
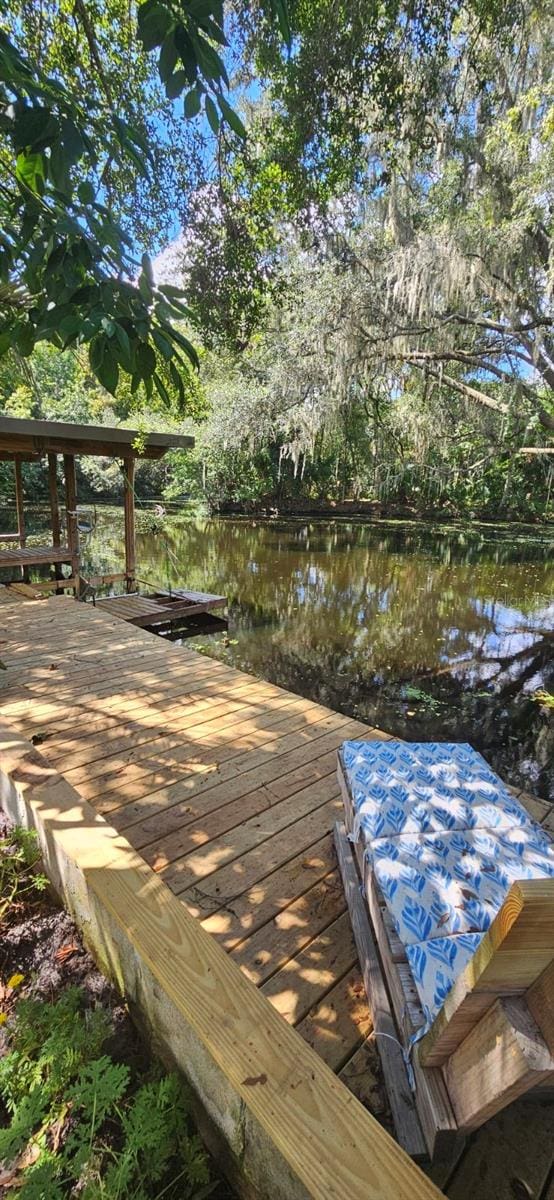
[445,839]
[436,964]
[424,787]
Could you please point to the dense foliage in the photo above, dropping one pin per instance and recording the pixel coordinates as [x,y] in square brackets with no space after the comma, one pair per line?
[74,1118]
[72,161]
[405,350]
[367,276]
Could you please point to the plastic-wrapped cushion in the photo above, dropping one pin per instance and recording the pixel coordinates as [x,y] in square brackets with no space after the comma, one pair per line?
[451,883]
[424,787]
[445,839]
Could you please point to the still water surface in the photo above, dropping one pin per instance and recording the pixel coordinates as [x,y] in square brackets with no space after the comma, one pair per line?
[426,632]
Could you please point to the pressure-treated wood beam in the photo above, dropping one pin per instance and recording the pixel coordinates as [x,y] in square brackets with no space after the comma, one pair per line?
[129,507]
[504,1056]
[540,1002]
[71,515]
[514,952]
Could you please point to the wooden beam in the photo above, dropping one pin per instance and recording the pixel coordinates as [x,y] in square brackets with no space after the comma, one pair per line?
[129,508]
[19,504]
[292,1128]
[540,1002]
[408,1128]
[44,586]
[54,508]
[71,515]
[502,1058]
[514,952]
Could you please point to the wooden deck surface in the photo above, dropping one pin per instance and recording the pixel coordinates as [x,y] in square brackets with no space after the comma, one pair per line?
[227,787]
[31,556]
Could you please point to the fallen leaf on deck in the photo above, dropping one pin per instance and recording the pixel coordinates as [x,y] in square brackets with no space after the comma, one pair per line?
[251,1080]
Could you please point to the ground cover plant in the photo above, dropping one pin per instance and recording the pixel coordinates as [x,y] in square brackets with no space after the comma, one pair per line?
[84,1110]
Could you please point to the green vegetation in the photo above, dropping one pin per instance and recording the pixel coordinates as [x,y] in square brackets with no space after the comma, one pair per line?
[74,1120]
[19,858]
[77,1123]
[365,262]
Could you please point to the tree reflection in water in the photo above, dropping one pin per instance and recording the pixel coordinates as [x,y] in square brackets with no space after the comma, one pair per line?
[425,631]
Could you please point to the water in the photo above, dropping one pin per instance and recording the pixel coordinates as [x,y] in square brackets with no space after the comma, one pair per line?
[426,632]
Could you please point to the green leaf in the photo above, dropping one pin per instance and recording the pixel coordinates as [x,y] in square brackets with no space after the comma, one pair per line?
[86,192]
[30,170]
[192,103]
[73,144]
[211,64]
[169,289]
[162,390]
[231,117]
[178,383]
[145,289]
[70,328]
[185,345]
[187,53]
[96,353]
[26,340]
[145,359]
[280,9]
[122,339]
[211,113]
[168,58]
[166,350]
[5,342]
[35,127]
[154,23]
[148,269]
[176,84]
[108,373]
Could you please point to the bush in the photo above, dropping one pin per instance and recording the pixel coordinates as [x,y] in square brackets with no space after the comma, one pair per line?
[77,1123]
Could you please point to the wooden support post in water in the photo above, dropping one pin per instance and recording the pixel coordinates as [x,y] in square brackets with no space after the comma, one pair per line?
[54,509]
[20,512]
[71,516]
[129,505]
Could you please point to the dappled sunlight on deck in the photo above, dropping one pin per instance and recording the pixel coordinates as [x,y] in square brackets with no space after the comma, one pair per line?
[223,783]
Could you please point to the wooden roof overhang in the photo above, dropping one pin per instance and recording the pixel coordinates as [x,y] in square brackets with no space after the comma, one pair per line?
[28,440]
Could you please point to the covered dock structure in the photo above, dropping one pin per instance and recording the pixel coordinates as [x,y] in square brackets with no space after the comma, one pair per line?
[26,440]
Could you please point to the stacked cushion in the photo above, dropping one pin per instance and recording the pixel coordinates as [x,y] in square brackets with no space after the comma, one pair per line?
[445,840]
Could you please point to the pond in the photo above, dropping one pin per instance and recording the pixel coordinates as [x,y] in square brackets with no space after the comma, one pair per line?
[427,632]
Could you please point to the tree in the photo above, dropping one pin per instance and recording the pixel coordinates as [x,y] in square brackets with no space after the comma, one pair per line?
[424,294]
[68,267]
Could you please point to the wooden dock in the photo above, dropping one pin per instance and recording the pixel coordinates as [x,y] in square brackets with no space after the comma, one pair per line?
[160,608]
[226,785]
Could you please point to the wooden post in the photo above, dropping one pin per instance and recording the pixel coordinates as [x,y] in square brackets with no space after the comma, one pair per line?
[71,516]
[503,1057]
[514,952]
[129,506]
[54,509]
[20,511]
[540,1002]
